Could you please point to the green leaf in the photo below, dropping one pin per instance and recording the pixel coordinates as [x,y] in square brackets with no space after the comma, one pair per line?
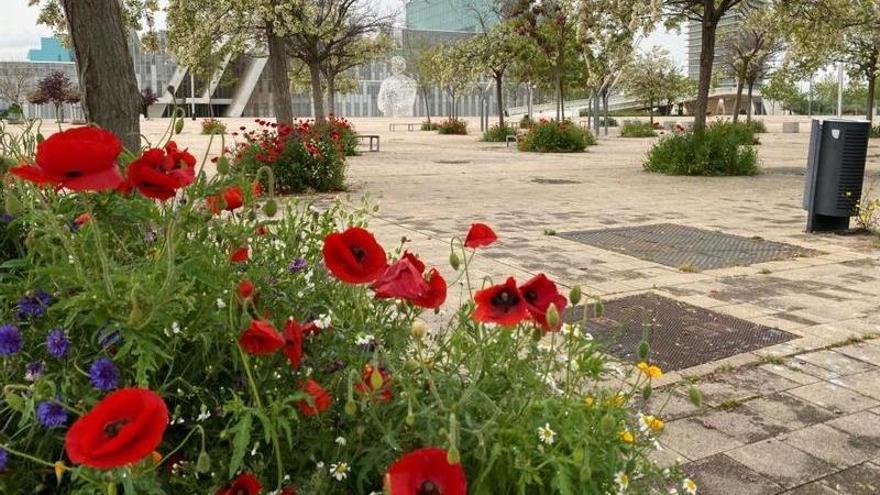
[240,442]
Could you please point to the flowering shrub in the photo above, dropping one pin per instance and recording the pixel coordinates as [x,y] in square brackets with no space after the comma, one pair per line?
[498,133]
[429,126]
[213,126]
[183,344]
[301,158]
[347,138]
[452,126]
[722,149]
[551,136]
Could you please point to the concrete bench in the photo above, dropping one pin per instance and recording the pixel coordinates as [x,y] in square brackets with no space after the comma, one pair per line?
[371,137]
[410,126]
[791,127]
[510,138]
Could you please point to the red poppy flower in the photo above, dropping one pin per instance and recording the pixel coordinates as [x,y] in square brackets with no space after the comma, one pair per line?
[82,219]
[539,292]
[261,230]
[400,280]
[81,159]
[425,471]
[321,399]
[293,339]
[239,255]
[230,199]
[311,328]
[502,304]
[288,490]
[378,387]
[480,235]
[260,339]
[435,296]
[416,262]
[158,174]
[124,427]
[245,289]
[245,484]
[354,256]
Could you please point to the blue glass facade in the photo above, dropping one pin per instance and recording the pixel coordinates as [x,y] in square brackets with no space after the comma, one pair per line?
[51,50]
[449,15]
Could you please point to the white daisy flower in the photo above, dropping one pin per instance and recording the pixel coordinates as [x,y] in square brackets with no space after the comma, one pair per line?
[339,470]
[340,441]
[689,486]
[323,322]
[546,434]
[622,481]
[571,329]
[204,414]
[364,339]
[220,303]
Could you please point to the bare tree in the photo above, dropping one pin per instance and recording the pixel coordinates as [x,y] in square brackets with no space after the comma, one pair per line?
[16,82]
[748,52]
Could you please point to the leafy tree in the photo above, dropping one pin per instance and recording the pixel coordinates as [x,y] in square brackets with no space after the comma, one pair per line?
[205,34]
[350,53]
[708,13]
[654,79]
[55,88]
[452,70]
[148,97]
[494,52]
[781,87]
[418,56]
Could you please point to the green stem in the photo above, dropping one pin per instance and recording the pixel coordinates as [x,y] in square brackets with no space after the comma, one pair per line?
[276,445]
[102,256]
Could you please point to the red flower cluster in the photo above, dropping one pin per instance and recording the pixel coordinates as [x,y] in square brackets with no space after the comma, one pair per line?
[423,471]
[230,199]
[355,257]
[244,484]
[508,304]
[261,339]
[319,399]
[158,174]
[124,427]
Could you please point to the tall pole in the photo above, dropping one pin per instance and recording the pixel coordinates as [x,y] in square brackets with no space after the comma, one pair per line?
[840,89]
[192,93]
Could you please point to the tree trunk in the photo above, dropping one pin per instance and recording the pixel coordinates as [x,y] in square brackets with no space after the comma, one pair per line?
[605,97]
[707,58]
[499,95]
[561,99]
[109,89]
[651,112]
[282,103]
[317,91]
[558,96]
[751,105]
[596,123]
[872,87]
[737,99]
[427,106]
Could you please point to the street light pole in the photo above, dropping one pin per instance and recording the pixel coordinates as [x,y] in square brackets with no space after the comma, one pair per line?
[840,89]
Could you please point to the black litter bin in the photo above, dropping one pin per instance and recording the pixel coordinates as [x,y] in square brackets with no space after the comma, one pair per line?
[835,172]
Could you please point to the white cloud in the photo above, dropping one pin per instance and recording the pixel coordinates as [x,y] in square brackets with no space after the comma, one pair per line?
[19,31]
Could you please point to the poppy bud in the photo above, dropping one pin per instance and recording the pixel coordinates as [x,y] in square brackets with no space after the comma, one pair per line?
[454,261]
[40,137]
[178,126]
[245,289]
[695,396]
[575,295]
[376,380]
[252,215]
[350,407]
[223,165]
[410,419]
[644,349]
[552,316]
[12,204]
[608,423]
[270,208]
[411,365]
[453,456]
[647,390]
[419,329]
[203,464]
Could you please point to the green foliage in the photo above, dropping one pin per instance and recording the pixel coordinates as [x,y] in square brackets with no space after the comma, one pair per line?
[551,136]
[637,129]
[756,126]
[430,126]
[452,125]
[498,133]
[213,126]
[722,149]
[525,122]
[607,121]
[875,132]
[741,132]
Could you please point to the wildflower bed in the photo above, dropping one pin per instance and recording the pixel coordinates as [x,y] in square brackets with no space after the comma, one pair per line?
[166,332]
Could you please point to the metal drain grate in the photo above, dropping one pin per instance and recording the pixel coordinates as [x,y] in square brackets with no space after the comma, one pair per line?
[680,335]
[542,180]
[679,245]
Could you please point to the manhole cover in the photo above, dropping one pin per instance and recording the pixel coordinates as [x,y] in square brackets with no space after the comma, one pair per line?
[680,335]
[452,162]
[541,180]
[679,246]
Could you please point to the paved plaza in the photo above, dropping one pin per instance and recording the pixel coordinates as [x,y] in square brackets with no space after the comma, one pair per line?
[801,416]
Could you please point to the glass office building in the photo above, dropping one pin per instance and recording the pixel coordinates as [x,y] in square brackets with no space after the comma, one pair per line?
[50,50]
[467,16]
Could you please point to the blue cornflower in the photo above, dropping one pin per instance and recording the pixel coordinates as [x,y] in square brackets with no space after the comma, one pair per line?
[51,414]
[33,305]
[297,265]
[104,374]
[10,340]
[6,218]
[57,343]
[33,371]
[108,339]
[4,459]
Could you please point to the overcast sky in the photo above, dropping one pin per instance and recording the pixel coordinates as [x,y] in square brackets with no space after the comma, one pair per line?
[19,32]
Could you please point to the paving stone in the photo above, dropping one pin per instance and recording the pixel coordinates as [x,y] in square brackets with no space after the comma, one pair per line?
[831,445]
[863,425]
[864,383]
[781,463]
[835,362]
[670,405]
[721,475]
[789,411]
[789,373]
[863,479]
[695,441]
[835,398]
[743,424]
[741,384]
[864,351]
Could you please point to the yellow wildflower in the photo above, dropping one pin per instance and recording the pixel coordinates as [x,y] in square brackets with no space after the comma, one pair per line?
[589,400]
[626,436]
[649,369]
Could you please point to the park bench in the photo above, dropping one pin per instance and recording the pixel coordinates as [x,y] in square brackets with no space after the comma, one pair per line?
[371,137]
[510,138]
[410,126]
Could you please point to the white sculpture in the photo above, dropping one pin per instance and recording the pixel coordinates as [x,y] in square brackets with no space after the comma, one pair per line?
[397,94]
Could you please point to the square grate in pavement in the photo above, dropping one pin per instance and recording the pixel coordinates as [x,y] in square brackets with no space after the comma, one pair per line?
[679,245]
[681,335]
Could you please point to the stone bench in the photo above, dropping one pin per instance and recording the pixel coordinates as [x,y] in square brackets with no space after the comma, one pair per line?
[510,138]
[371,137]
